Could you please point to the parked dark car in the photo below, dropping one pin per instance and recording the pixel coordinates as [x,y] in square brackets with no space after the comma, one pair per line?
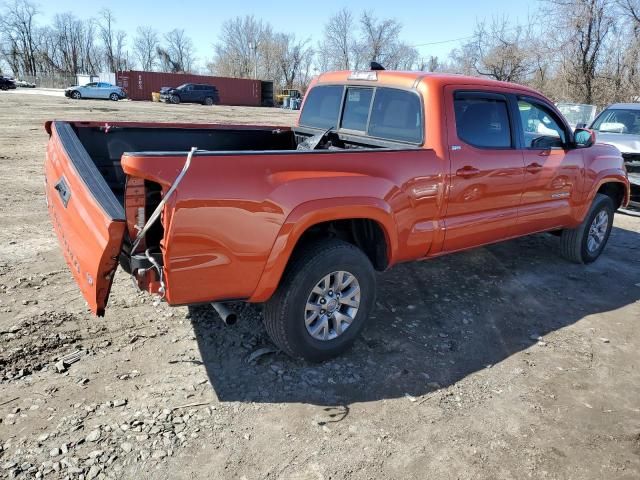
[191,93]
[7,83]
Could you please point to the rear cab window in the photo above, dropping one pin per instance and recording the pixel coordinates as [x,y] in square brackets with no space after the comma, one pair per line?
[482,119]
[379,112]
[322,108]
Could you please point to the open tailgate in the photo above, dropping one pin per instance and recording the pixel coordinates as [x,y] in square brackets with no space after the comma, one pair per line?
[87,217]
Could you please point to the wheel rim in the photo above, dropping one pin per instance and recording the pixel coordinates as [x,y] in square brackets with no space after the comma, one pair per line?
[114,97]
[332,305]
[598,231]
[75,95]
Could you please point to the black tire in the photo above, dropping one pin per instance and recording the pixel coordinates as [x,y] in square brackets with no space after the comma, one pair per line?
[76,95]
[4,87]
[574,242]
[208,101]
[175,99]
[114,97]
[284,313]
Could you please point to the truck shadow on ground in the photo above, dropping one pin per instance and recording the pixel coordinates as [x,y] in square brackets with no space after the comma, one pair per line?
[435,323]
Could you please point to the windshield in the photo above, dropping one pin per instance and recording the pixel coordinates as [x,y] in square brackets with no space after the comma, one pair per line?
[184,85]
[618,120]
[576,113]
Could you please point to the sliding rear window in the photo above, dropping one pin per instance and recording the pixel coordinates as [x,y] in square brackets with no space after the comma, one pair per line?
[322,107]
[380,112]
[396,115]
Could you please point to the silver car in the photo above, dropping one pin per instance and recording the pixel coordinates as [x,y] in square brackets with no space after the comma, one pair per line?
[619,125]
[101,90]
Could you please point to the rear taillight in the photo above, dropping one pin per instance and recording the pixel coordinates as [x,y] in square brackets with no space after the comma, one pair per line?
[135,208]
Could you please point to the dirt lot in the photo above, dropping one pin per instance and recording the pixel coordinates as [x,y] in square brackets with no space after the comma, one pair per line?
[501,363]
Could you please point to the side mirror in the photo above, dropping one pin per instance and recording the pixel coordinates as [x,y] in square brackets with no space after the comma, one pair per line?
[584,138]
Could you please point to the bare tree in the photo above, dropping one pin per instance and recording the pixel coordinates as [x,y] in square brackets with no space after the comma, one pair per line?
[500,51]
[145,46]
[631,9]
[167,64]
[68,46]
[339,43]
[379,38]
[293,58]
[114,42]
[581,29]
[241,43]
[19,32]
[107,36]
[180,48]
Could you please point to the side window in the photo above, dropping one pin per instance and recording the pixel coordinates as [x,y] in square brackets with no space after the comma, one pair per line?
[356,108]
[482,121]
[322,107]
[396,115]
[541,128]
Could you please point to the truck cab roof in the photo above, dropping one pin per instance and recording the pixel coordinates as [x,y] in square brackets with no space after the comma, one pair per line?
[412,79]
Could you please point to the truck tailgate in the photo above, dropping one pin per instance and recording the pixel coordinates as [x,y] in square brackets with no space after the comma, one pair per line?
[87,217]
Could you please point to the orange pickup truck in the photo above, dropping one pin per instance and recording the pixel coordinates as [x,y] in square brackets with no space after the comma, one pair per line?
[383,167]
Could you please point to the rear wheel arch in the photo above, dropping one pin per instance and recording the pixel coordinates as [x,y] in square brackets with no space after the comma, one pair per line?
[371,228]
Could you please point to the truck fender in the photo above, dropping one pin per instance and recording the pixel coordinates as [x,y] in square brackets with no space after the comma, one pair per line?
[312,213]
[606,176]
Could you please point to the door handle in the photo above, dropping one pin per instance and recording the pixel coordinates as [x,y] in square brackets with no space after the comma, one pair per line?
[533,167]
[467,171]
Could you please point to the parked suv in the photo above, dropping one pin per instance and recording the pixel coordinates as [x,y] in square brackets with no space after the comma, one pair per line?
[7,83]
[191,93]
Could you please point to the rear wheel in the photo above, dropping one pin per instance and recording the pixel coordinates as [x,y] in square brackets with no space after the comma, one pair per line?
[323,301]
[208,101]
[175,99]
[76,95]
[114,96]
[585,243]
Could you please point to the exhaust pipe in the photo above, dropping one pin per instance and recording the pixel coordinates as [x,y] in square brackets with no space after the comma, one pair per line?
[227,316]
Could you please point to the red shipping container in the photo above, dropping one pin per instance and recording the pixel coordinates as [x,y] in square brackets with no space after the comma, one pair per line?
[232,91]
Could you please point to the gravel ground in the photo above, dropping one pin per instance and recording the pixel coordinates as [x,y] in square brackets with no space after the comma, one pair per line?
[499,363]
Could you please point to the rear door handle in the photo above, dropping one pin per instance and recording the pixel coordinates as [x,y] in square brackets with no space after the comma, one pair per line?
[533,167]
[467,171]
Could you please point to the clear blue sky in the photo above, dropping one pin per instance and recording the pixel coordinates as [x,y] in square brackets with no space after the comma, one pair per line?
[424,21]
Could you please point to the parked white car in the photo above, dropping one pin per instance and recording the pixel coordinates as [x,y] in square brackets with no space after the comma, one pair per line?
[100,90]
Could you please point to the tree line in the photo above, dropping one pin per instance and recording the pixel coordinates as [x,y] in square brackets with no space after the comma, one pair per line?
[585,51]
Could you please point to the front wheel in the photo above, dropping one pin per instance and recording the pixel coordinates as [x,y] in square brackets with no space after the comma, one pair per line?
[208,101]
[585,243]
[114,97]
[175,99]
[76,95]
[323,301]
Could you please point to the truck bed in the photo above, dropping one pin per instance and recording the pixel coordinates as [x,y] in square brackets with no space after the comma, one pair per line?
[106,143]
